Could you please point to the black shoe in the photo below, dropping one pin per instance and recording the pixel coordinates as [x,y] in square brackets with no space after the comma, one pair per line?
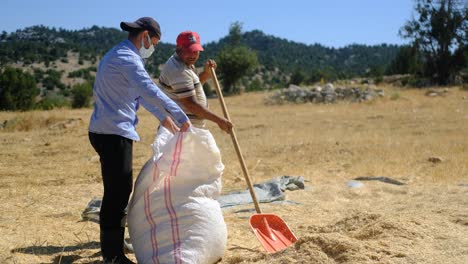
[112,246]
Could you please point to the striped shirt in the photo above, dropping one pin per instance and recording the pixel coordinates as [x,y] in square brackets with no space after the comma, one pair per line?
[178,81]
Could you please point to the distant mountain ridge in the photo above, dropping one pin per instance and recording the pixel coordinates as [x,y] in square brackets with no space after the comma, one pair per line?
[44,44]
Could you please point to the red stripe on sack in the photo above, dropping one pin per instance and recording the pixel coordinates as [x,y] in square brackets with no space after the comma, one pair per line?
[155,172]
[179,154]
[168,201]
[167,197]
[154,242]
[174,154]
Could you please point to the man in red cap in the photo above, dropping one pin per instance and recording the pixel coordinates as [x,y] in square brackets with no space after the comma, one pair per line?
[180,81]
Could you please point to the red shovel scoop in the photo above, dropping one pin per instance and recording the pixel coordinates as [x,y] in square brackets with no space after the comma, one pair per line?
[270,229]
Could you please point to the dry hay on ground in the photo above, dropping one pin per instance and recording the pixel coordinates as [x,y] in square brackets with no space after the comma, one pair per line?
[49,172]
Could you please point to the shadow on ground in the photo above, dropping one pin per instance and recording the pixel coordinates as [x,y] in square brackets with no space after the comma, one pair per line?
[65,253]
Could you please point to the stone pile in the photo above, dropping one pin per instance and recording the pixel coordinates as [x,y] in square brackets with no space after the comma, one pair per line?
[327,94]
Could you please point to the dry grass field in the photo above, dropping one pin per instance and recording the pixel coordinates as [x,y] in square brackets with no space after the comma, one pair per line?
[49,172]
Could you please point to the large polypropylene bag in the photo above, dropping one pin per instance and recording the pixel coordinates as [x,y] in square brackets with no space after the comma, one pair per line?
[173,215]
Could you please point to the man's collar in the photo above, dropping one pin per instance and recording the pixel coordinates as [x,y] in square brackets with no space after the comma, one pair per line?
[176,56]
[131,46]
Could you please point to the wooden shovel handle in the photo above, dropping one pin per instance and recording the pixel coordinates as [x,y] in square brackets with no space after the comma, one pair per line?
[236,143]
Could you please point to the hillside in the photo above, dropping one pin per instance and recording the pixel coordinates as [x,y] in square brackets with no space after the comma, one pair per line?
[58,60]
[40,44]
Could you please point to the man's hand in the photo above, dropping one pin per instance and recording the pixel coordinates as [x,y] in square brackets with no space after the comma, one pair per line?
[225,125]
[170,125]
[210,64]
[206,74]
[185,126]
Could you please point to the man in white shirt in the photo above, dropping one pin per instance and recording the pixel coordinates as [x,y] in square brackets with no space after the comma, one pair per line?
[181,83]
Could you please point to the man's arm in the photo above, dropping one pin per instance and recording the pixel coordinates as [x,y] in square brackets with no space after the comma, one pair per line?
[190,103]
[166,121]
[154,100]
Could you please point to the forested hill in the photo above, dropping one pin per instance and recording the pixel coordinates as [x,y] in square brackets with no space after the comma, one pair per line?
[352,60]
[42,44]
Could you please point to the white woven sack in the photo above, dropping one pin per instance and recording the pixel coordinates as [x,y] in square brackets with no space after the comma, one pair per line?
[173,214]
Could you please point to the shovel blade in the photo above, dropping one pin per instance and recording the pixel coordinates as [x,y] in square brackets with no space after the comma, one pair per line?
[272,232]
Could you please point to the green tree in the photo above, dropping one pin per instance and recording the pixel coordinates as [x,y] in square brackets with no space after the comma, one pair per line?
[322,75]
[235,61]
[407,61]
[81,95]
[52,79]
[439,29]
[462,55]
[254,85]
[18,90]
[297,77]
[235,33]
[51,101]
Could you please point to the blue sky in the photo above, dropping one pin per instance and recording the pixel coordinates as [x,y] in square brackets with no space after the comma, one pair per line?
[333,23]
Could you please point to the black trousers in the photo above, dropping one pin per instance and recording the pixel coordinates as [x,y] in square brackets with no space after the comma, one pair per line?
[116,156]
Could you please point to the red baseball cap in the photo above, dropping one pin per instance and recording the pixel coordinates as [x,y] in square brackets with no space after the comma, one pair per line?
[190,41]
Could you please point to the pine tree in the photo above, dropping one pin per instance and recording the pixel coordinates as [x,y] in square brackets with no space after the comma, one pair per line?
[18,90]
[439,31]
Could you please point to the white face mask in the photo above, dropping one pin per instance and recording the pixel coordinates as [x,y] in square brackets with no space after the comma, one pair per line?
[146,52]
